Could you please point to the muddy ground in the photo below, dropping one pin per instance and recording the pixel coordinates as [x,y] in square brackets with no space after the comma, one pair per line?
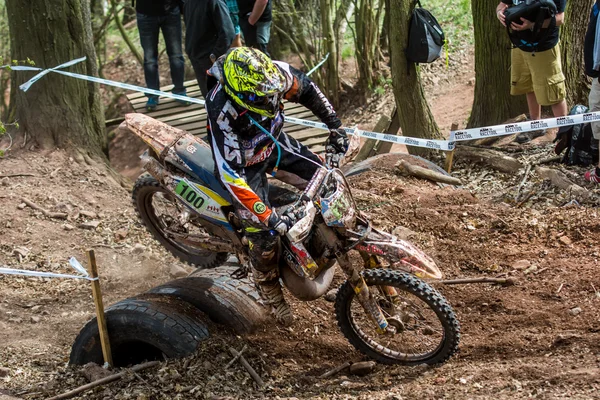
[539,338]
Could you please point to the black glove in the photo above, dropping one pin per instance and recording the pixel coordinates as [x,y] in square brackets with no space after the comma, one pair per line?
[336,146]
[281,224]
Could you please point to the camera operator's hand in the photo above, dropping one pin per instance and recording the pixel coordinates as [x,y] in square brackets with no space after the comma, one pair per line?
[336,146]
[281,224]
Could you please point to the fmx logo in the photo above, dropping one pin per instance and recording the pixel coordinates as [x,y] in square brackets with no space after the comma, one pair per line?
[487,132]
[564,121]
[511,128]
[590,117]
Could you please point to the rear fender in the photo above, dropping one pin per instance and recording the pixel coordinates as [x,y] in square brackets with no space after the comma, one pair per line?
[158,135]
[401,253]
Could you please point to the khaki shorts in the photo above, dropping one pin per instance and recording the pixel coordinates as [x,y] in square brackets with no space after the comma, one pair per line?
[595,106]
[540,73]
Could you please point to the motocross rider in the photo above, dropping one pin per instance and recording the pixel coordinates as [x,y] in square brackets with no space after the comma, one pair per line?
[245,113]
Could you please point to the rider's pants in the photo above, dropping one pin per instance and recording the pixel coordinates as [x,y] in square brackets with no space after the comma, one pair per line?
[295,168]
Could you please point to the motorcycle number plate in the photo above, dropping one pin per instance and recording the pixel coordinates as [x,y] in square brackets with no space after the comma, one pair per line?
[192,196]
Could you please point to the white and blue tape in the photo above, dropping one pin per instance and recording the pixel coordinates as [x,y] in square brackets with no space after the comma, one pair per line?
[445,145]
[40,274]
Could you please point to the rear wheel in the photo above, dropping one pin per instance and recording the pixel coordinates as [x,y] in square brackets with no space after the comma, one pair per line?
[158,210]
[427,330]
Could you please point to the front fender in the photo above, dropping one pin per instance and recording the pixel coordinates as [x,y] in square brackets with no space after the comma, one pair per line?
[403,254]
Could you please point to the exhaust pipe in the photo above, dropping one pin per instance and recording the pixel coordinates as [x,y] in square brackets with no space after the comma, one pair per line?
[305,289]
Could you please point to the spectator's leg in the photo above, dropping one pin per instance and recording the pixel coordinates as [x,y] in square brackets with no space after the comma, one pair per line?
[171,29]
[148,27]
[249,33]
[594,100]
[200,68]
[535,110]
[263,34]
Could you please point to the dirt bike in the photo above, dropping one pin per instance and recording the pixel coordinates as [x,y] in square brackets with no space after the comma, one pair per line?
[384,308]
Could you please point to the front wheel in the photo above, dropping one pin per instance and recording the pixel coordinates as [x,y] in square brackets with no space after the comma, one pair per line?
[427,330]
[158,210]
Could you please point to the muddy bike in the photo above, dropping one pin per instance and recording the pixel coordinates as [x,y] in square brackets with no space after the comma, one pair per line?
[384,308]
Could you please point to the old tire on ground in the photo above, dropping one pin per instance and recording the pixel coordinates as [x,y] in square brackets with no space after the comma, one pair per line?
[228,301]
[142,328]
[408,284]
[143,191]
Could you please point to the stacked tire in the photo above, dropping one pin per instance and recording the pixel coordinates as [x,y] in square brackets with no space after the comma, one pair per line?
[172,319]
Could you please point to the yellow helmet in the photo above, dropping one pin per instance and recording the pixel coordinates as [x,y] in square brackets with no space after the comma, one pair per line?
[253,81]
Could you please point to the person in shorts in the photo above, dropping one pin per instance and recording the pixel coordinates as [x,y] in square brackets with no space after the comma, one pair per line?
[536,68]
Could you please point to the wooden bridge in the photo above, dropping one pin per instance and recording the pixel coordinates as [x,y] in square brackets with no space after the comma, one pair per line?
[193,118]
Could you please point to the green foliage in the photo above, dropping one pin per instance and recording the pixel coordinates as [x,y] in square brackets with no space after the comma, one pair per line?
[456,20]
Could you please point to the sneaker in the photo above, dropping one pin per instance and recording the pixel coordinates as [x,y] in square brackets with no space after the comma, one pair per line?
[272,295]
[152,103]
[182,102]
[592,176]
[525,137]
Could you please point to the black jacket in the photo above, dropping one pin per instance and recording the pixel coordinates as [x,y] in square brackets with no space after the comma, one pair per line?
[209,29]
[590,39]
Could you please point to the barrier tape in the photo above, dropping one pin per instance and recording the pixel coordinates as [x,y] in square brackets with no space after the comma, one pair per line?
[527,126]
[73,262]
[316,67]
[444,145]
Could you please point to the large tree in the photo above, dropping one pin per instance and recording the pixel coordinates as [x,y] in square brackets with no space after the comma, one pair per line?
[572,34]
[57,111]
[493,103]
[414,114]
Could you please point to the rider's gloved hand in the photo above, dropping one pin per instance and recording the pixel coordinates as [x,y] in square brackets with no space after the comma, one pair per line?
[336,145]
[280,223]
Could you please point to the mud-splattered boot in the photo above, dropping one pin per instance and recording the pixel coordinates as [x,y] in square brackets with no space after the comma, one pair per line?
[270,291]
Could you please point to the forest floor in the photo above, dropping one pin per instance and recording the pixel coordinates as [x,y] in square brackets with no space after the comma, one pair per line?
[537,339]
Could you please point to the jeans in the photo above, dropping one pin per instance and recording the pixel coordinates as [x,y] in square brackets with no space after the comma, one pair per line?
[149,28]
[256,36]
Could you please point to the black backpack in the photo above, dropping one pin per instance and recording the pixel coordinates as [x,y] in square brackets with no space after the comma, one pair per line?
[533,10]
[582,148]
[425,37]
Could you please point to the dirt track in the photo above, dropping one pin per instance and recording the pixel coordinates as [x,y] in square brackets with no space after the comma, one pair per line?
[520,341]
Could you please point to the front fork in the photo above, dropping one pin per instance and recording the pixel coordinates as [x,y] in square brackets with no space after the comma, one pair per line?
[363,293]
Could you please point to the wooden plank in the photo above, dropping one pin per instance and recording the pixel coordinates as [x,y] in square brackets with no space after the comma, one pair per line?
[100,317]
[188,84]
[368,148]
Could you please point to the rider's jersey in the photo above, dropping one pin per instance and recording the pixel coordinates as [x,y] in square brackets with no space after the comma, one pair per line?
[238,144]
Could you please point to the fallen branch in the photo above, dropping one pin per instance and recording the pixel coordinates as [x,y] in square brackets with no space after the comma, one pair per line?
[234,359]
[560,180]
[493,159]
[522,182]
[47,213]
[548,160]
[408,169]
[335,370]
[502,281]
[103,381]
[14,175]
[248,367]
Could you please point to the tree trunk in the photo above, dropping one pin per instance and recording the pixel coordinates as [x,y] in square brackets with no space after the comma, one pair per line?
[57,111]
[332,77]
[572,35]
[493,103]
[340,24]
[415,116]
[367,34]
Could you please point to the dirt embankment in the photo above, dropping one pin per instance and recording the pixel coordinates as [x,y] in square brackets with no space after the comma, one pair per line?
[539,338]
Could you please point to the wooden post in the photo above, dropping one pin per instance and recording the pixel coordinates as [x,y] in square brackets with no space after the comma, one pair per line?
[385,147]
[97,294]
[367,150]
[450,154]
